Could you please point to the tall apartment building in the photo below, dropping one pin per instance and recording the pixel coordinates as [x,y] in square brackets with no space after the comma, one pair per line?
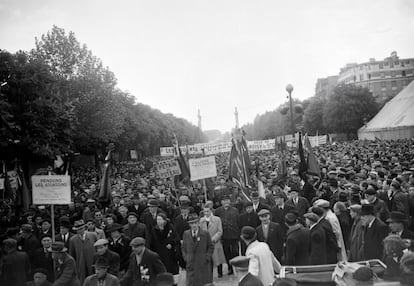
[324,86]
[383,78]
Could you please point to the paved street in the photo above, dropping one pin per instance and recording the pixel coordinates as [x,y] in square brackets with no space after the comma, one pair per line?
[226,280]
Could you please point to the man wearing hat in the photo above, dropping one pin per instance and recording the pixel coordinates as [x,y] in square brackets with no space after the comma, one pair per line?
[396,199]
[119,243]
[102,276]
[197,250]
[27,240]
[263,263]
[229,218]
[241,268]
[297,241]
[112,258]
[134,228]
[375,232]
[279,211]
[91,227]
[398,226]
[64,231]
[380,207]
[249,217]
[136,205]
[65,266]
[43,259]
[82,250]
[271,233]
[149,216]
[144,265]
[257,204]
[16,264]
[318,253]
[300,204]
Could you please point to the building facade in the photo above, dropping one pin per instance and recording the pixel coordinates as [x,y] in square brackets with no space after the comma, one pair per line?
[325,86]
[384,78]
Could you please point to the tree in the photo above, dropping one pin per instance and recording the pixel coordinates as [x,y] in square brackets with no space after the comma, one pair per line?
[347,108]
[35,121]
[313,116]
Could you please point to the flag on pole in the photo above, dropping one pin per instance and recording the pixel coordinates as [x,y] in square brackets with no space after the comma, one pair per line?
[24,191]
[105,190]
[302,163]
[185,171]
[312,163]
[239,168]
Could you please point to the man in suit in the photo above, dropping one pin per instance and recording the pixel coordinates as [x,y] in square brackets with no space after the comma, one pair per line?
[197,251]
[112,258]
[144,265]
[248,218]
[241,268]
[65,266]
[43,259]
[297,242]
[16,264]
[28,241]
[149,216]
[380,207]
[398,225]
[134,228]
[102,275]
[231,232]
[279,211]
[82,250]
[397,200]
[375,232]
[300,204]
[119,243]
[271,233]
[257,204]
[136,206]
[317,255]
[65,235]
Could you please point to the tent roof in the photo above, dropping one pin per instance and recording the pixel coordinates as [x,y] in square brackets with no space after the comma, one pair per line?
[398,112]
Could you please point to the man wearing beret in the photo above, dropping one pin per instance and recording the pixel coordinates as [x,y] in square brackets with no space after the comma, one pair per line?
[144,265]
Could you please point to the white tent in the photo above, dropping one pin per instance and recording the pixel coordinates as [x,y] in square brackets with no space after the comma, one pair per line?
[395,120]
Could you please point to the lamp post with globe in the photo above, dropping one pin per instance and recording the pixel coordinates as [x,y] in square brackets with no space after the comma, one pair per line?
[289,89]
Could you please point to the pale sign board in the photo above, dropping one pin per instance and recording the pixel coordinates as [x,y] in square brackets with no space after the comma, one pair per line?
[168,168]
[51,190]
[1,183]
[202,168]
[134,155]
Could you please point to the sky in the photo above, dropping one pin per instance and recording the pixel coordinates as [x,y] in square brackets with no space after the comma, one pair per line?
[183,55]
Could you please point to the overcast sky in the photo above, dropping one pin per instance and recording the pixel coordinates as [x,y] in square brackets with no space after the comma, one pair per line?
[213,55]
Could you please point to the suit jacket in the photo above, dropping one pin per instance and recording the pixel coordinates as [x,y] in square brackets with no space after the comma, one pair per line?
[137,230]
[181,225]
[398,202]
[138,211]
[148,220]
[151,261]
[381,210]
[60,238]
[110,280]
[302,206]
[65,272]
[297,245]
[121,246]
[332,248]
[278,216]
[229,219]
[260,206]
[113,261]
[318,248]
[373,239]
[250,280]
[274,238]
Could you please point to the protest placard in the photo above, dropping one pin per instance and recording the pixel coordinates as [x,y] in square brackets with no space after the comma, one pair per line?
[134,155]
[202,168]
[168,168]
[51,190]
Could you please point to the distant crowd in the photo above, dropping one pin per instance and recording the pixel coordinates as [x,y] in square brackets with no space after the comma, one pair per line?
[360,207]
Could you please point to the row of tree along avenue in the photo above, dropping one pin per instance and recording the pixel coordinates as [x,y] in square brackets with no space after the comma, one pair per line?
[59,98]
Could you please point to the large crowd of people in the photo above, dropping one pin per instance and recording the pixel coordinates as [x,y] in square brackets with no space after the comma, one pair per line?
[360,207]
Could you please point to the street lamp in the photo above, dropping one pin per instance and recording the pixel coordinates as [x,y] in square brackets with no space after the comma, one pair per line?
[289,89]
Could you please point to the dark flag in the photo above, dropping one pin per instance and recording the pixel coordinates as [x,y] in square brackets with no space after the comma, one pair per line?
[239,169]
[312,163]
[105,190]
[24,191]
[8,190]
[185,172]
[302,164]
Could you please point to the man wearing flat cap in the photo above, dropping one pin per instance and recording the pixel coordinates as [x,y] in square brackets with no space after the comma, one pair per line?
[82,250]
[263,263]
[112,258]
[102,277]
[271,233]
[197,250]
[241,268]
[144,265]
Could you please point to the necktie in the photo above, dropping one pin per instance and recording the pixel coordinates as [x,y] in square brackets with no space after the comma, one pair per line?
[194,236]
[208,223]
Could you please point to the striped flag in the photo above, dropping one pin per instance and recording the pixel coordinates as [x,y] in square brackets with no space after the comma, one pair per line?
[239,169]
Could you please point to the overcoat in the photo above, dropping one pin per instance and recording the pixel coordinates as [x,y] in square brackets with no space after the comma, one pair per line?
[83,251]
[65,272]
[198,254]
[215,230]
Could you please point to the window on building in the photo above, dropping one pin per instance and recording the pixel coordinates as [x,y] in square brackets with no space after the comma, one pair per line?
[393,83]
[402,73]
